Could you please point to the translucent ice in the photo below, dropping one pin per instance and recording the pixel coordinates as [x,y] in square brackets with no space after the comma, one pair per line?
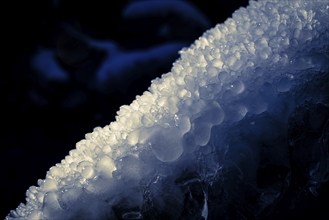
[215,137]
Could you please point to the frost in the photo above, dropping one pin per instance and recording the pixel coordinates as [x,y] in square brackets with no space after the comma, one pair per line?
[223,118]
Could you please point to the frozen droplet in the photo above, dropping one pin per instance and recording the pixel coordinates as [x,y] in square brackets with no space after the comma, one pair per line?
[56,172]
[40,196]
[184,125]
[105,165]
[36,214]
[217,114]
[217,63]
[49,185]
[258,107]
[206,92]
[209,91]
[148,120]
[241,112]
[223,77]
[132,138]
[69,196]
[51,206]
[213,114]
[235,112]
[86,169]
[237,87]
[132,167]
[255,103]
[132,215]
[202,133]
[166,144]
[284,84]
[231,61]
[87,172]
[212,71]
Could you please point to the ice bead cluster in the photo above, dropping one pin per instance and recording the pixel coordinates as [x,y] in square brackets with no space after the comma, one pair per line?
[203,135]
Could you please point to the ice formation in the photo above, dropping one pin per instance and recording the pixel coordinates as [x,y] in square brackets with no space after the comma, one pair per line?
[199,138]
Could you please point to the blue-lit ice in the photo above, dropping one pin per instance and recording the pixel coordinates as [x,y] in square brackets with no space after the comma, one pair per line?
[201,137]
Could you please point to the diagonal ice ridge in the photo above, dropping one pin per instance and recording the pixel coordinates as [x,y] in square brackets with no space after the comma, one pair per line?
[201,135]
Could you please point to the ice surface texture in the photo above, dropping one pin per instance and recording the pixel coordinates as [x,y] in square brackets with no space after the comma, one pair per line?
[205,139]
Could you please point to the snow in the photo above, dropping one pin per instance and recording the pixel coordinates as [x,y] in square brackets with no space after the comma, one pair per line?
[228,95]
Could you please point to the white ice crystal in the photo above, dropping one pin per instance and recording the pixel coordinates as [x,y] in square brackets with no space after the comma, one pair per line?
[232,89]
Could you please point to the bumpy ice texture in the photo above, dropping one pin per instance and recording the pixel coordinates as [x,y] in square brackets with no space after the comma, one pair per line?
[199,139]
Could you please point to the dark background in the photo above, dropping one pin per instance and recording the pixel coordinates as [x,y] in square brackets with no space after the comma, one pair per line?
[43,118]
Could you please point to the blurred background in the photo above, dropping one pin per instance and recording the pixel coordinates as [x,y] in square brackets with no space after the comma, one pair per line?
[70,65]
